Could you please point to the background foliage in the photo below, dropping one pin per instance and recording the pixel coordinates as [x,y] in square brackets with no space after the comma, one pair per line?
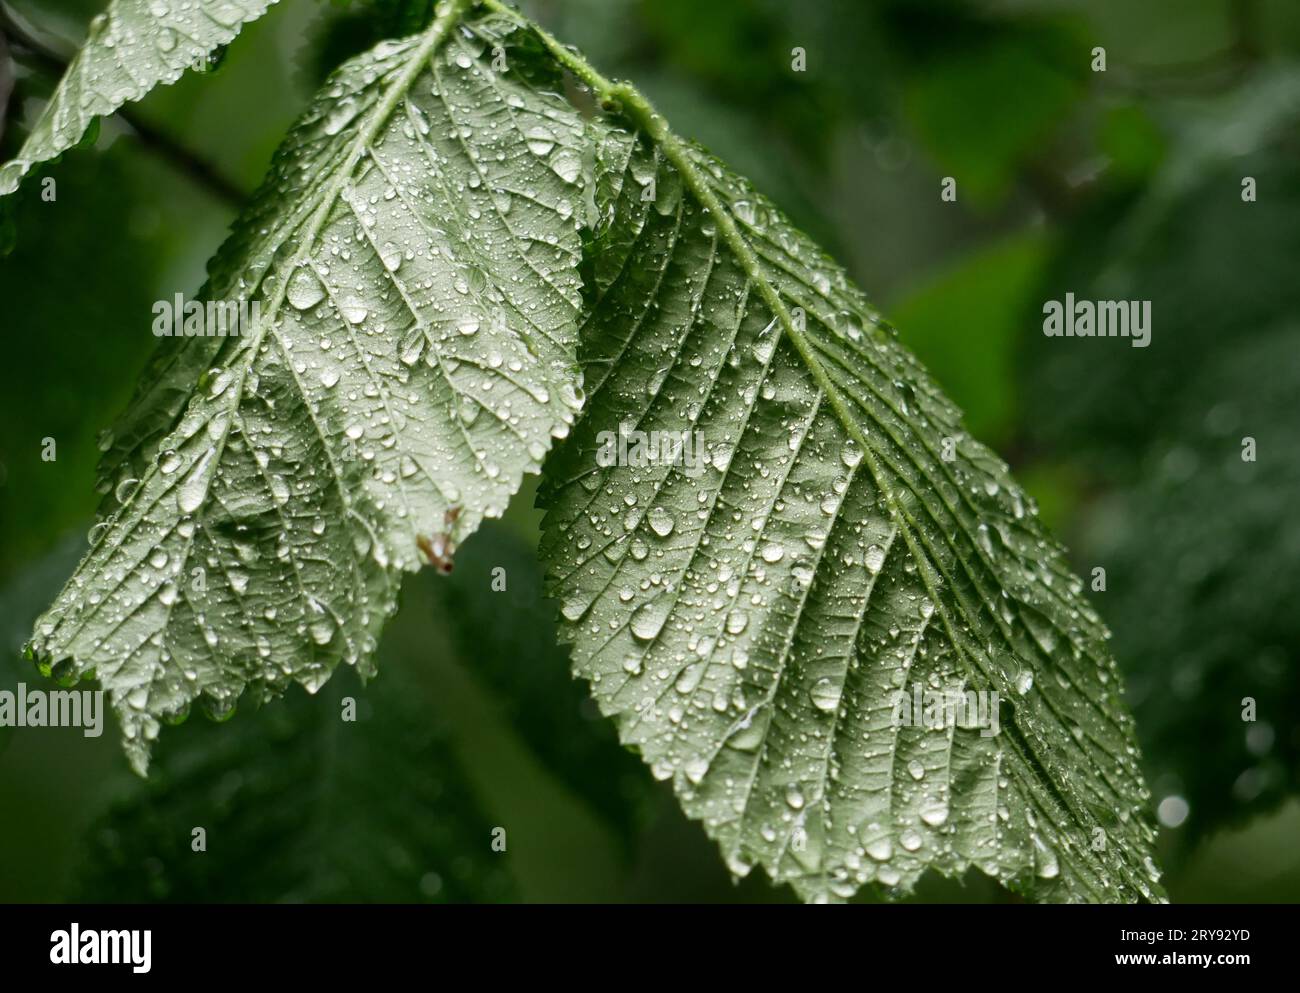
[1119,185]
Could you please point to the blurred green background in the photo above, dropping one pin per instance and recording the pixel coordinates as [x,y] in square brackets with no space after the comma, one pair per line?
[1123,184]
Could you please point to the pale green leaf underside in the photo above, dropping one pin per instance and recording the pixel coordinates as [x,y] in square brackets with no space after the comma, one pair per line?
[415,257]
[749,628]
[132,47]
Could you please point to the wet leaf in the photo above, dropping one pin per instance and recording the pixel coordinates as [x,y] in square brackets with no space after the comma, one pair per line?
[131,47]
[413,256]
[752,614]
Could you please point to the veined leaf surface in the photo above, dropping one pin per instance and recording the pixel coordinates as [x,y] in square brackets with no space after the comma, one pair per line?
[415,257]
[753,625]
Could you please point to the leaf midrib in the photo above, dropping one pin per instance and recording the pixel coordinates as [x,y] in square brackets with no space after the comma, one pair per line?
[379,115]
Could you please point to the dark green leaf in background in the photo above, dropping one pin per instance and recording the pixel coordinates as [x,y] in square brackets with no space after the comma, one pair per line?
[298,805]
[509,641]
[1203,563]
[1216,270]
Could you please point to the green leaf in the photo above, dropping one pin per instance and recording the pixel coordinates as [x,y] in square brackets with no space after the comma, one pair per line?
[414,256]
[88,339]
[1199,545]
[131,47]
[985,109]
[1203,561]
[994,288]
[750,627]
[299,805]
[1108,399]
